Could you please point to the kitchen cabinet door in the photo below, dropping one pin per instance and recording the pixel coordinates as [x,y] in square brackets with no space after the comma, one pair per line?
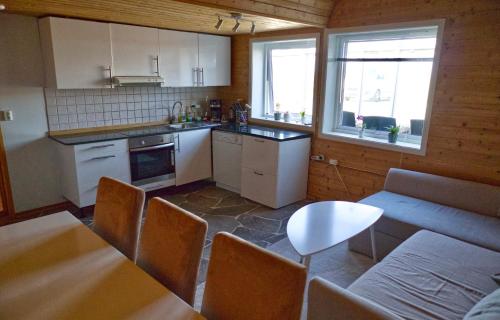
[193,156]
[179,58]
[76,53]
[214,60]
[135,50]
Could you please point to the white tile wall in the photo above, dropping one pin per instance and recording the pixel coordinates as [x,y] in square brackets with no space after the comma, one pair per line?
[88,108]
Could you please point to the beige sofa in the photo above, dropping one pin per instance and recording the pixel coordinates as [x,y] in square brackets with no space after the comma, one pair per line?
[413,201]
[429,276]
[438,274]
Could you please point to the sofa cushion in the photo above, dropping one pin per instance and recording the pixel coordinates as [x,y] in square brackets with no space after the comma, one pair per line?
[403,216]
[486,309]
[462,194]
[430,276]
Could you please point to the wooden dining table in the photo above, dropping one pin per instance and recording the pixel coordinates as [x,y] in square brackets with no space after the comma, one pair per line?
[54,267]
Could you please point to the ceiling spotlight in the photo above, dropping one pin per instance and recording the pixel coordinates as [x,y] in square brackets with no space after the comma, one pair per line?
[252,29]
[2,6]
[219,24]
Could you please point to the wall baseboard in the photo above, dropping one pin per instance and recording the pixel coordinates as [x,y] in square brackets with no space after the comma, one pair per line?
[37,212]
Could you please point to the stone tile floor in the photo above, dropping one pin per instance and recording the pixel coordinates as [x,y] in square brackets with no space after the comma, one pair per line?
[227,211]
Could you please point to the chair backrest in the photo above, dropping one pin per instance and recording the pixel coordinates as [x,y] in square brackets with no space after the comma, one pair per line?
[348,119]
[118,214]
[171,245]
[378,123]
[247,282]
[416,127]
[327,301]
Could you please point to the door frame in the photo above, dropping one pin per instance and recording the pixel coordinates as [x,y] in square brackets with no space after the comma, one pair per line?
[5,188]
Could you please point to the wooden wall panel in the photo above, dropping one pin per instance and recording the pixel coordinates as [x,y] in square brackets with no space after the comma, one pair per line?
[464,135]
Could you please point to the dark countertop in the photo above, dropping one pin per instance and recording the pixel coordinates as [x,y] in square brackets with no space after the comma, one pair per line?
[276,134]
[252,130]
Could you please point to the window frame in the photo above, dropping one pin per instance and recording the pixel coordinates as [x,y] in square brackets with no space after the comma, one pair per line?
[370,139]
[281,123]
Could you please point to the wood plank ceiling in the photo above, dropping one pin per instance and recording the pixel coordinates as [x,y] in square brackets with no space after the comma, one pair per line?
[199,16]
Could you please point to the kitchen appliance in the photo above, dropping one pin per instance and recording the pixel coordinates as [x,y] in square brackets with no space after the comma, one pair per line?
[152,161]
[125,81]
[227,160]
[216,110]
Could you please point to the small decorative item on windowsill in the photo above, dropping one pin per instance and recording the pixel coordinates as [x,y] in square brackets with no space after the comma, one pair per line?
[286,116]
[393,134]
[302,117]
[361,126]
[277,113]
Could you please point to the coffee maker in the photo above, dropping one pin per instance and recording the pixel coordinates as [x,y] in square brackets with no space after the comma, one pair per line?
[215,110]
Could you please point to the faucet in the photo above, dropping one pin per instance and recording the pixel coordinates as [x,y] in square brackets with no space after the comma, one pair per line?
[171,111]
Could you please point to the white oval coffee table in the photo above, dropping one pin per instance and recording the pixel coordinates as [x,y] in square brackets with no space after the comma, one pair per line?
[321,225]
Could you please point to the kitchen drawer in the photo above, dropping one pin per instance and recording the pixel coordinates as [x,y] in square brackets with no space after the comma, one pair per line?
[115,165]
[87,195]
[89,151]
[227,137]
[260,154]
[259,187]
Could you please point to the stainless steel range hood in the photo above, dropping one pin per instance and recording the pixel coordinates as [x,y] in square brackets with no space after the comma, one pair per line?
[128,81]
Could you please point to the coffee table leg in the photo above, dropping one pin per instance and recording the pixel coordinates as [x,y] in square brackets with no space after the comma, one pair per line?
[372,238]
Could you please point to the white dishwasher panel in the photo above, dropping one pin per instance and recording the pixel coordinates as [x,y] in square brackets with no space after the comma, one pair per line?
[227,160]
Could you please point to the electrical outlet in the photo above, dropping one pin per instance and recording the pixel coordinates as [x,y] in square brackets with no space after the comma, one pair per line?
[334,162]
[318,157]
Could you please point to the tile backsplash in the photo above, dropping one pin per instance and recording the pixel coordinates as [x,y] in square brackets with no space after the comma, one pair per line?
[88,108]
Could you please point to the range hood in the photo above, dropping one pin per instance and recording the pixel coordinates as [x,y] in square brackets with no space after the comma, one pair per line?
[124,81]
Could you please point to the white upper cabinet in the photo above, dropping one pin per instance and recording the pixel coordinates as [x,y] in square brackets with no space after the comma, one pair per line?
[179,58]
[214,60]
[76,53]
[134,49]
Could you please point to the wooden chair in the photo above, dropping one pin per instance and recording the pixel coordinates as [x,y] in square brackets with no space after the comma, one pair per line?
[171,245]
[118,214]
[247,282]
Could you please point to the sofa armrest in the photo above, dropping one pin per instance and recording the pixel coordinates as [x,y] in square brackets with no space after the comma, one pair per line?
[327,301]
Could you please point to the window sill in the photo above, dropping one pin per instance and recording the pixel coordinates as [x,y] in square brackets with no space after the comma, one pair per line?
[399,146]
[282,124]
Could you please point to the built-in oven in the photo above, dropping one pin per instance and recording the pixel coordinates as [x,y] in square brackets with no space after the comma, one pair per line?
[152,161]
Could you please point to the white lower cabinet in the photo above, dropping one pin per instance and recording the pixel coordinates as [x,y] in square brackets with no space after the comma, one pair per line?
[274,173]
[193,156]
[83,165]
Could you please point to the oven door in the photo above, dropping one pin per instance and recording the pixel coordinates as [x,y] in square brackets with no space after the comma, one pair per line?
[151,164]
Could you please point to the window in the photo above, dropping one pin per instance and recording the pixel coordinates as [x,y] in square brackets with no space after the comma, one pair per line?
[283,78]
[376,80]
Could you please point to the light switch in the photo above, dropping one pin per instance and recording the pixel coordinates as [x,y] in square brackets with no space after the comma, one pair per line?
[6,115]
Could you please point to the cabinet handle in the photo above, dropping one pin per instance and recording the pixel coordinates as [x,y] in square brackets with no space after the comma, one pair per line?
[195,77]
[258,173]
[259,140]
[172,158]
[202,77]
[110,78]
[102,157]
[157,60]
[178,143]
[102,146]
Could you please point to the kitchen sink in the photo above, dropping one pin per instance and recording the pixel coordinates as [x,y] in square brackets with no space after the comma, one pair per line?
[187,125]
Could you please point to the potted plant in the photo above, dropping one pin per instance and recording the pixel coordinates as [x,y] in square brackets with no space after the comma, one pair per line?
[361,126]
[393,134]
[302,116]
[277,113]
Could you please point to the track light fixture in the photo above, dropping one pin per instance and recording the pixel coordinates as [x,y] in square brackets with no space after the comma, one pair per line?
[252,29]
[219,23]
[238,18]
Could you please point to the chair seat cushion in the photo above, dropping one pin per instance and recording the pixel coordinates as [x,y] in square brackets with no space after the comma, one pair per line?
[430,276]
[403,216]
